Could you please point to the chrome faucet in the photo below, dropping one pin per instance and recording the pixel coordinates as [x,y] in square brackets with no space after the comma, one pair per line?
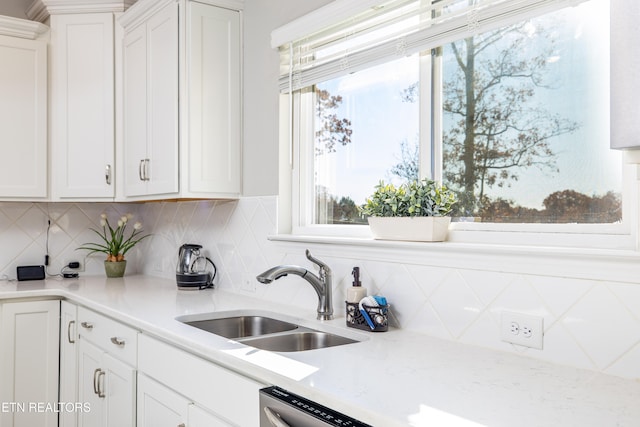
[321,283]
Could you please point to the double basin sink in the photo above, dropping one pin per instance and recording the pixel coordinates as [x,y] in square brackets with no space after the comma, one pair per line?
[265,332]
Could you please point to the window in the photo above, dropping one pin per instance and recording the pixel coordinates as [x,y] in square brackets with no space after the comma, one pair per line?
[512,114]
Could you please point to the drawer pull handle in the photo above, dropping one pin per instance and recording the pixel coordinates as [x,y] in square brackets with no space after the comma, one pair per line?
[96,382]
[87,325]
[71,339]
[182,425]
[118,341]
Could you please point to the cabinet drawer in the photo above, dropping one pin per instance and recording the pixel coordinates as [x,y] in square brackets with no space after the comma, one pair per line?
[231,396]
[118,340]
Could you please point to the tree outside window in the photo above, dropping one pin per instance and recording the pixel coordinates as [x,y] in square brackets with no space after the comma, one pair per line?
[525,126]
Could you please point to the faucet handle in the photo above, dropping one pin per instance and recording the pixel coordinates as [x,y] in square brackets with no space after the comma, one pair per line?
[316,261]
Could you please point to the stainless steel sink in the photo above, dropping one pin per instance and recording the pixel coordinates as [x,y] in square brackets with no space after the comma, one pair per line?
[298,341]
[243,326]
[261,330]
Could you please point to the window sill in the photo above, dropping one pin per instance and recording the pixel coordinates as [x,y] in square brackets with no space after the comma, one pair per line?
[620,265]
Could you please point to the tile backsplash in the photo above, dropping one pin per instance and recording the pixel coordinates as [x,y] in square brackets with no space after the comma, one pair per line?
[591,324]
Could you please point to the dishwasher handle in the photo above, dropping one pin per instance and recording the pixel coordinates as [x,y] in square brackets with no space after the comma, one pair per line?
[274,418]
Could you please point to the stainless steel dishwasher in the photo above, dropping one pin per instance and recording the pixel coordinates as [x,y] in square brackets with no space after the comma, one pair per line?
[280,408]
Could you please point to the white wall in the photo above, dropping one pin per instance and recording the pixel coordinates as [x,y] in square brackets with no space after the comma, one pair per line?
[261,67]
[15,8]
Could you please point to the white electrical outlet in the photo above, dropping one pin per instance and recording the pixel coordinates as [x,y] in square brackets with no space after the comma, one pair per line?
[522,329]
[75,270]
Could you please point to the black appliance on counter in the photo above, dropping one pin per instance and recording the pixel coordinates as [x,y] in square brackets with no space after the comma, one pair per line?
[193,270]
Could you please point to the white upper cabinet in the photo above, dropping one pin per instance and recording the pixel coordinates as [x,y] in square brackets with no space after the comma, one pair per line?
[23,110]
[181,100]
[82,106]
[212,137]
[151,106]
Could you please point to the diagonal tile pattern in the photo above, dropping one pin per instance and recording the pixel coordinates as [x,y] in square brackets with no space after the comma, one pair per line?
[588,323]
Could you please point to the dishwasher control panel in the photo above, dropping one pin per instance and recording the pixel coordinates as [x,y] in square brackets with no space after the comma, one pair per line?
[284,402]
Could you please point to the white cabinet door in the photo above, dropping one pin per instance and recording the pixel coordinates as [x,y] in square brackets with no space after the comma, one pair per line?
[23,118]
[185,61]
[162,142]
[235,400]
[120,393]
[151,105]
[107,386]
[82,106]
[29,343]
[90,377]
[198,417]
[68,362]
[135,111]
[158,406]
[213,140]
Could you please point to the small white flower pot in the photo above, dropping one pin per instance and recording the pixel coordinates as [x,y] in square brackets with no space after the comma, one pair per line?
[415,229]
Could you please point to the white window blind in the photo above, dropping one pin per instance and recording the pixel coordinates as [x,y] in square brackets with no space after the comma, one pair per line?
[393,29]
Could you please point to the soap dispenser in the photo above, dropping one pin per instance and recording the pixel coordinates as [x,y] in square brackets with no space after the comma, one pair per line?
[356,292]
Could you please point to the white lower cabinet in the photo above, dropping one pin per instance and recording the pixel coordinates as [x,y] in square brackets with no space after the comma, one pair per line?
[106,371]
[208,394]
[29,343]
[159,406]
[68,363]
[108,386]
[198,417]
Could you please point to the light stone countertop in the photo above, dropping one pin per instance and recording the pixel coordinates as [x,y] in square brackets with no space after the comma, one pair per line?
[397,378]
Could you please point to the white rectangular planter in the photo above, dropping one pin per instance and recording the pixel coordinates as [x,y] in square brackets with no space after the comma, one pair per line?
[416,229]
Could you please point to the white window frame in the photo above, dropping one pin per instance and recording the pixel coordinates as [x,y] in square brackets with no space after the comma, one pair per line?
[298,192]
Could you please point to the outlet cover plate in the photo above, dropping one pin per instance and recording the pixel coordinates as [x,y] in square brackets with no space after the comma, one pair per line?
[522,329]
[75,270]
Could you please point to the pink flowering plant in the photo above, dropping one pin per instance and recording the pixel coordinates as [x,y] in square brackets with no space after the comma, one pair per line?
[114,243]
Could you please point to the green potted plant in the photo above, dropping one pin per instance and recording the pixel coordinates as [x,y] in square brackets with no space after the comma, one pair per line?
[114,243]
[415,211]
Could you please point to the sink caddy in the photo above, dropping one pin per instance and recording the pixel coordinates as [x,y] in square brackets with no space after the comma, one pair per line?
[379,315]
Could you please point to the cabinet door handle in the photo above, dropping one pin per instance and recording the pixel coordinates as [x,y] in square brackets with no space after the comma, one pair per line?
[87,325]
[141,170]
[118,341]
[69,337]
[96,382]
[146,169]
[182,425]
[107,174]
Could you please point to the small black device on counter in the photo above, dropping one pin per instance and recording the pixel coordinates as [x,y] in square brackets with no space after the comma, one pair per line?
[279,407]
[30,272]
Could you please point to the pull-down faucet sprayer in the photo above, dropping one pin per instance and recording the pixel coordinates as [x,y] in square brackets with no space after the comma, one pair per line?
[321,283]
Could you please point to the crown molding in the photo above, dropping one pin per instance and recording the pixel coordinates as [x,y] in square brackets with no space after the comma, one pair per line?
[22,28]
[144,9]
[40,10]
[141,11]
